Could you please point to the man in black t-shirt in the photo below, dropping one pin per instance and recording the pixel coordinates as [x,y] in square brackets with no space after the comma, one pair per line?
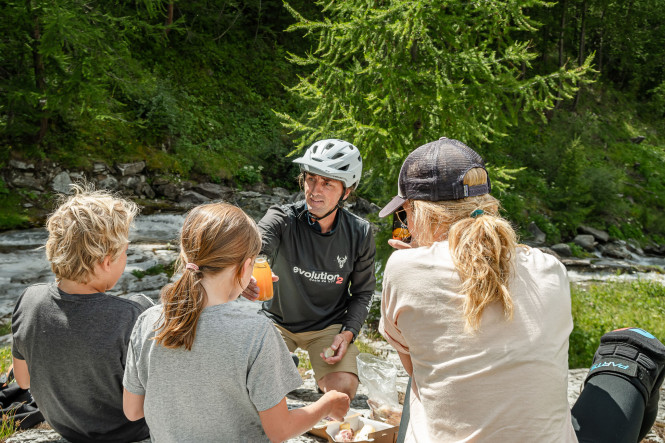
[323,260]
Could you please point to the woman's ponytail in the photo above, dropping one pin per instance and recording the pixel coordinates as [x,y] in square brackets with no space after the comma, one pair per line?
[182,304]
[483,249]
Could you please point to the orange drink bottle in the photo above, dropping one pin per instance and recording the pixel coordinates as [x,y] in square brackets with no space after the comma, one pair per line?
[263,276]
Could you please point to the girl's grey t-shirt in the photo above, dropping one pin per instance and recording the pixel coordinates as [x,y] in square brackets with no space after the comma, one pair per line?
[238,365]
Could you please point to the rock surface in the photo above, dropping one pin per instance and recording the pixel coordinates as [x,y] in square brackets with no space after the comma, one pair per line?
[307,394]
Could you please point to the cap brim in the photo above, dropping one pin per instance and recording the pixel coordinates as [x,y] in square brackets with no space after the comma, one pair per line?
[393,206]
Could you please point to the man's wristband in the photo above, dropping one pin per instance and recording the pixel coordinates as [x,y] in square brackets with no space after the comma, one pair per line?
[353,332]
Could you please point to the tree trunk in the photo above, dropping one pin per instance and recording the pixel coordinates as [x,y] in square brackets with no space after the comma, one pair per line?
[600,43]
[561,47]
[169,18]
[580,56]
[38,66]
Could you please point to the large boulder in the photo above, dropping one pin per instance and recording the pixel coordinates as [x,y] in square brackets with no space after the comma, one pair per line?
[26,180]
[130,168]
[562,249]
[363,208]
[168,190]
[586,241]
[108,182]
[214,191]
[192,197]
[538,235]
[62,183]
[17,164]
[616,250]
[599,235]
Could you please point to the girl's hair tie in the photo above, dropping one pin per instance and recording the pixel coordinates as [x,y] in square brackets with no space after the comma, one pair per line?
[477,212]
[192,266]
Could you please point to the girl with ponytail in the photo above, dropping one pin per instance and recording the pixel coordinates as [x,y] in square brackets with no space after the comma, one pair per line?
[481,324]
[224,368]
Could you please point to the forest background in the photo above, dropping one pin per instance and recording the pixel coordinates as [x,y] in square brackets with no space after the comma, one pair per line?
[565,100]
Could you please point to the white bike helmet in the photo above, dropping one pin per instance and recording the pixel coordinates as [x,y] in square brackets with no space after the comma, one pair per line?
[333,158]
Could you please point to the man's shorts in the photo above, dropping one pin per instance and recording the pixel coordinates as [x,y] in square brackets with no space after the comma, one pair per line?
[313,342]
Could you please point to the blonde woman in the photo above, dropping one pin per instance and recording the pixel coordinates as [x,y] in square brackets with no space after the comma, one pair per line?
[70,337]
[202,369]
[482,323]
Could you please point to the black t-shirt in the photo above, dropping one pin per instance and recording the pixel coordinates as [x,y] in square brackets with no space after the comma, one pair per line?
[75,347]
[323,278]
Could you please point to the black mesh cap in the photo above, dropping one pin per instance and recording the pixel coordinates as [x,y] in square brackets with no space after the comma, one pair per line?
[435,172]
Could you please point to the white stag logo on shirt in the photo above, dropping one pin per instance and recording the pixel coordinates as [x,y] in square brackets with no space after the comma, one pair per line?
[341,261]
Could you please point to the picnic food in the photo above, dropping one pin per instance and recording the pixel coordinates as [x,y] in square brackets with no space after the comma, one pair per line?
[346,433]
[363,433]
[328,352]
[384,412]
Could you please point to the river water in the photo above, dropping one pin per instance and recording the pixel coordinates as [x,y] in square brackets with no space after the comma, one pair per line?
[154,240]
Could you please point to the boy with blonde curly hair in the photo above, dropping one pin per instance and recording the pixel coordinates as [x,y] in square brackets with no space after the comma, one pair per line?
[70,337]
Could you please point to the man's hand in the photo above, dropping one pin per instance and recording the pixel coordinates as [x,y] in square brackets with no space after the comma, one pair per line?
[339,346]
[251,292]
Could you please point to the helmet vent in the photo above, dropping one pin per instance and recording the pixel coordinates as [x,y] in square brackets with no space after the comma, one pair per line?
[344,168]
[338,155]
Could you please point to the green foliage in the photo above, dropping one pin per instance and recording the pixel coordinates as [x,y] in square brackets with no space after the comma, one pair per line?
[8,426]
[581,168]
[366,347]
[206,98]
[5,328]
[5,359]
[578,251]
[602,307]
[155,270]
[394,75]
[11,217]
[249,175]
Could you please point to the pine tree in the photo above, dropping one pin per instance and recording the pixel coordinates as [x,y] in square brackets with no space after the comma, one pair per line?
[391,75]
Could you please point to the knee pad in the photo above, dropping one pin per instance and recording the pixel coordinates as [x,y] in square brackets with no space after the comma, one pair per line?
[633,354]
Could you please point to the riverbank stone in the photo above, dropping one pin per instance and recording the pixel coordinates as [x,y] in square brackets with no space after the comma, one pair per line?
[563,249]
[538,235]
[62,183]
[107,181]
[586,241]
[130,168]
[599,235]
[616,250]
[214,191]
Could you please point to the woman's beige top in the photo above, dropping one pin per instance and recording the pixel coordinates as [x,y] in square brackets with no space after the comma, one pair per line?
[505,383]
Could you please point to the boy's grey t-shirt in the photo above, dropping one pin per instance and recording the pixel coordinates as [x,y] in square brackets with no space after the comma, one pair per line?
[75,346]
[238,365]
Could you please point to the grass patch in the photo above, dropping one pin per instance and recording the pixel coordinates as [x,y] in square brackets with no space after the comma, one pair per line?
[8,426]
[602,307]
[304,364]
[5,359]
[367,348]
[6,328]
[12,216]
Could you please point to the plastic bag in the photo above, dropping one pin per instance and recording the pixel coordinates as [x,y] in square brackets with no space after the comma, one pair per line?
[380,376]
